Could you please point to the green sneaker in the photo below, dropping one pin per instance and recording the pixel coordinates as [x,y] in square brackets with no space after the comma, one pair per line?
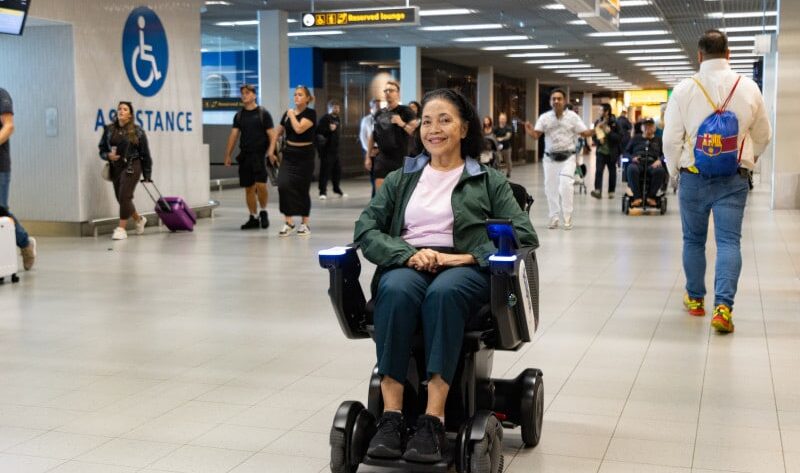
[723,319]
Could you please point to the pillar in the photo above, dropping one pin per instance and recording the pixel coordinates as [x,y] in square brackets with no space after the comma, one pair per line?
[273,61]
[786,166]
[486,92]
[410,74]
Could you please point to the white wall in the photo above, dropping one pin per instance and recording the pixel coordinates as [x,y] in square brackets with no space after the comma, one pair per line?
[180,161]
[44,171]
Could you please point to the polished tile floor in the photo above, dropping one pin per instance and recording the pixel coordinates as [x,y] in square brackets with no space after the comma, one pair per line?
[217,351]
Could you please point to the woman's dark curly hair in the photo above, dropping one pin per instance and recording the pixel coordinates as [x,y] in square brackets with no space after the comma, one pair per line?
[472,144]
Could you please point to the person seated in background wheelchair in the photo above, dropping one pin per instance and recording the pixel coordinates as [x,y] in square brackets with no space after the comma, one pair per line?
[646,153]
[425,230]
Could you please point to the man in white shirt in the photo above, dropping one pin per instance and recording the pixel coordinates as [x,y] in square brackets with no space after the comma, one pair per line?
[561,129]
[688,107]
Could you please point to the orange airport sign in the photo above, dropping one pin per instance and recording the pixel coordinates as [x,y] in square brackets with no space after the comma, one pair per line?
[361,17]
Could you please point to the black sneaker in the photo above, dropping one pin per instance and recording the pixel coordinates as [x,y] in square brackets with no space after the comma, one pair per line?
[250,224]
[429,442]
[263,218]
[388,440]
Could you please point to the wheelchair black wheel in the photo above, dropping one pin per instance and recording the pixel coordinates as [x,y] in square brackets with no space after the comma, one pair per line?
[626,204]
[486,455]
[532,410]
[663,205]
[353,428]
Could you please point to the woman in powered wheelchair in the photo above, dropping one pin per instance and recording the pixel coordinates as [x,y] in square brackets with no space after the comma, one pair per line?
[456,262]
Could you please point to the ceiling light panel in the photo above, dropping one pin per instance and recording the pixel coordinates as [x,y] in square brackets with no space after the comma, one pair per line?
[481,39]
[552,61]
[554,54]
[640,19]
[735,15]
[647,42]
[656,58]
[571,66]
[649,51]
[572,70]
[515,47]
[554,6]
[485,26]
[745,29]
[626,34]
[635,3]
[738,39]
[447,12]
[663,63]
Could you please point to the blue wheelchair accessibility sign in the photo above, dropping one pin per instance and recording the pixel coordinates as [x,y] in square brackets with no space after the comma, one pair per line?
[145,52]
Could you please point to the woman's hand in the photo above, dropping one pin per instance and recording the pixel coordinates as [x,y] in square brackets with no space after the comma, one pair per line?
[424,260]
[273,159]
[290,113]
[113,156]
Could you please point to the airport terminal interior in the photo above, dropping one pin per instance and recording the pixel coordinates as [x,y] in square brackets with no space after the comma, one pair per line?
[218,350]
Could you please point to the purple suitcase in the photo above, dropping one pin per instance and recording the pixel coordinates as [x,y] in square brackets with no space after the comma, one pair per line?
[173,211]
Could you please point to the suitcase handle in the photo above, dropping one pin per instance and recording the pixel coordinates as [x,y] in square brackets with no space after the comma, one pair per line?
[160,203]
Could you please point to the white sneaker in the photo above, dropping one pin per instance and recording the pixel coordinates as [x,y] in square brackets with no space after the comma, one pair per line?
[323,197]
[119,234]
[553,223]
[568,223]
[140,224]
[303,230]
[286,230]
[343,195]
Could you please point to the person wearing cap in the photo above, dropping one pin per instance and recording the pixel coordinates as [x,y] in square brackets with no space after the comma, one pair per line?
[646,154]
[723,196]
[124,145]
[253,128]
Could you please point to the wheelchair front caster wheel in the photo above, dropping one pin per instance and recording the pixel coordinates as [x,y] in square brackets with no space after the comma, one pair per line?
[663,205]
[532,410]
[14,278]
[353,428]
[626,204]
[479,446]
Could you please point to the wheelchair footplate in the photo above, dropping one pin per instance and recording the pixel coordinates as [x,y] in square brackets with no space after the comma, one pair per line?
[440,467]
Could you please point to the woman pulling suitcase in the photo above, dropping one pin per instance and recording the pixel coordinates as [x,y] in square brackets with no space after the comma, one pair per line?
[124,146]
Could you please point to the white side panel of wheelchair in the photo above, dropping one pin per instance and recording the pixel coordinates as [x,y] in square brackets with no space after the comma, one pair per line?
[524,290]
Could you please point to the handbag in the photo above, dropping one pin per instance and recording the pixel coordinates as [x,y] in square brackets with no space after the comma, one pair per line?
[105,173]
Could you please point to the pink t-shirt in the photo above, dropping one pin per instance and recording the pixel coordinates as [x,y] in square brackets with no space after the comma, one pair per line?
[429,213]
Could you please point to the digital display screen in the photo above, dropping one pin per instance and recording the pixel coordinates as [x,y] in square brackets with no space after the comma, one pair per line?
[12,16]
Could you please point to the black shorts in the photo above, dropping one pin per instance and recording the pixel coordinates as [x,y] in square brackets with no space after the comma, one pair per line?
[382,165]
[252,169]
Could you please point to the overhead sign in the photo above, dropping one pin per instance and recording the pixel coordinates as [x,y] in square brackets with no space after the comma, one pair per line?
[145,51]
[604,17]
[362,17]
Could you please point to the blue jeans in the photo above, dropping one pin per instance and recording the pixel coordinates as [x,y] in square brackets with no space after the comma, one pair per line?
[441,302]
[726,196]
[20,233]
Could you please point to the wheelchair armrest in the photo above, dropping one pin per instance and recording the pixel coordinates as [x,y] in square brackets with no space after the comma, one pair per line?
[345,291]
[514,297]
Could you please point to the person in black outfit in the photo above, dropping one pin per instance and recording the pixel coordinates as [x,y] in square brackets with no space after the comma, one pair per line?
[504,133]
[328,132]
[607,153]
[646,152]
[124,145]
[625,128]
[297,167]
[253,127]
[393,126]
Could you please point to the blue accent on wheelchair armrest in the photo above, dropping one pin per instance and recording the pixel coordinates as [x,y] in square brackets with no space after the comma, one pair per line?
[334,257]
[503,235]
[503,264]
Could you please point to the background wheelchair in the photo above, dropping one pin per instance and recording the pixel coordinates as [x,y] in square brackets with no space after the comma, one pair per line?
[478,406]
[660,196]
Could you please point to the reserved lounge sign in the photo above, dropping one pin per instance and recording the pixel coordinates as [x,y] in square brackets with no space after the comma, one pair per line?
[362,17]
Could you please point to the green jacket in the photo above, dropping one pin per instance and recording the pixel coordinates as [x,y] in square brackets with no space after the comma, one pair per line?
[481,193]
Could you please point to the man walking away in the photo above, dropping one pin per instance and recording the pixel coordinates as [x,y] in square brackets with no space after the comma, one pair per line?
[504,133]
[561,129]
[328,132]
[708,190]
[25,243]
[253,128]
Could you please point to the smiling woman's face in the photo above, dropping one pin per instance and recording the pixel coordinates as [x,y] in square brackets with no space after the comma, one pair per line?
[442,129]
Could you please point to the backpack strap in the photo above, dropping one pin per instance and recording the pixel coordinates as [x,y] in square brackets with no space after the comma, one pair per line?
[705,92]
[730,95]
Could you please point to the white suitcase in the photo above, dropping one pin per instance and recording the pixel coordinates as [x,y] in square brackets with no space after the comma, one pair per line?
[8,250]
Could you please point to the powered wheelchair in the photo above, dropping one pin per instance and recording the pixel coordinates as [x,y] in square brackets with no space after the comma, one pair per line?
[478,406]
[644,181]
